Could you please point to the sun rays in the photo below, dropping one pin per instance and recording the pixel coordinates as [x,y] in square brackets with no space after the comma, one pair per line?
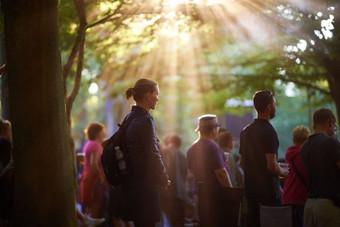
[168,41]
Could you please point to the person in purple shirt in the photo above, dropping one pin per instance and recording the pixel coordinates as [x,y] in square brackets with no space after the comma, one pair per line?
[205,162]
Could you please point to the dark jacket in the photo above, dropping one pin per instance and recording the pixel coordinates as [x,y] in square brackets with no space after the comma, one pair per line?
[145,166]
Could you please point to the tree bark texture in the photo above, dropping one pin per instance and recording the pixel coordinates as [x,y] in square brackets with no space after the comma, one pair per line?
[44,176]
[4,80]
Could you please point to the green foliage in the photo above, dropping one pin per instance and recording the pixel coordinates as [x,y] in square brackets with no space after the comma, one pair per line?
[199,60]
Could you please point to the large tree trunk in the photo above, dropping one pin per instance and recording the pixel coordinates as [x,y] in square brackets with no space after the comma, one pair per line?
[333,77]
[335,91]
[44,177]
[4,81]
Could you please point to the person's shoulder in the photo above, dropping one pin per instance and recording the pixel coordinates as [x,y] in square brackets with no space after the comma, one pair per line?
[194,145]
[213,147]
[248,127]
[331,141]
[323,138]
[141,120]
[93,144]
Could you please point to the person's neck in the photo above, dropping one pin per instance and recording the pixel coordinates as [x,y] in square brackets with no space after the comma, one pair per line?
[143,105]
[98,140]
[325,130]
[207,137]
[263,116]
[319,130]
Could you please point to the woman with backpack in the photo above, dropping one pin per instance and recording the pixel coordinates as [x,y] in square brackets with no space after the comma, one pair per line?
[146,172]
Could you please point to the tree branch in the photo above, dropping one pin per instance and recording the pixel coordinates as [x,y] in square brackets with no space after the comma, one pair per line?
[287,79]
[80,7]
[72,96]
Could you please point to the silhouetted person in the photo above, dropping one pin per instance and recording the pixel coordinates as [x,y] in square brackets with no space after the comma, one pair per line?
[173,200]
[259,149]
[92,181]
[226,142]
[206,163]
[321,157]
[146,172]
[6,172]
[295,189]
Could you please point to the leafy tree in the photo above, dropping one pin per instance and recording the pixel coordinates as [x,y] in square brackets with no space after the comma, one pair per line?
[305,52]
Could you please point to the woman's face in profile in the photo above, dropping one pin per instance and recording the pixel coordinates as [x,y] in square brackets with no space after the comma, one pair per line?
[153,98]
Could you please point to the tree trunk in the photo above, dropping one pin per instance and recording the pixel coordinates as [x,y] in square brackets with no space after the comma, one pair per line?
[333,78]
[335,91]
[4,81]
[44,192]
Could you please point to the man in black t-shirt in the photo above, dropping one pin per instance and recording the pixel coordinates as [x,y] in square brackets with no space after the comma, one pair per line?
[321,157]
[258,149]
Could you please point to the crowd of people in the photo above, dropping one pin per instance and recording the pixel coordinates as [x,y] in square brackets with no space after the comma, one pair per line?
[207,186]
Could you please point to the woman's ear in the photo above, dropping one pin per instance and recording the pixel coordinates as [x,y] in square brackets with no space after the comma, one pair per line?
[148,95]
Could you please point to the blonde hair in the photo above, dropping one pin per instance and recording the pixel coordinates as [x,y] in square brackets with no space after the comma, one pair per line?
[300,134]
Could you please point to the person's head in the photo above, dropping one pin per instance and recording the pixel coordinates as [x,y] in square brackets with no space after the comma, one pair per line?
[166,139]
[175,140]
[145,92]
[95,131]
[208,126]
[265,103]
[172,140]
[325,121]
[300,134]
[6,129]
[226,140]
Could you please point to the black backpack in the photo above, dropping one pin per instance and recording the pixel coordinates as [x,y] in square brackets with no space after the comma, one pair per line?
[114,154]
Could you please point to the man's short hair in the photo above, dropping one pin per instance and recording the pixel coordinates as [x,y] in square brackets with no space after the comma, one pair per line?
[322,116]
[176,140]
[261,99]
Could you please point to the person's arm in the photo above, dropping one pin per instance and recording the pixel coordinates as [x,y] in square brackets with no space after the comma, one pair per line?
[274,167]
[3,68]
[241,163]
[94,163]
[154,158]
[223,177]
[338,164]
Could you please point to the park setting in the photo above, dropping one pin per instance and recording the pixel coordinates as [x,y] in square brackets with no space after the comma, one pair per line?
[68,67]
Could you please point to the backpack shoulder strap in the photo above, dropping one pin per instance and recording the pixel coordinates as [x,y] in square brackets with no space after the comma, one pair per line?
[299,174]
[127,120]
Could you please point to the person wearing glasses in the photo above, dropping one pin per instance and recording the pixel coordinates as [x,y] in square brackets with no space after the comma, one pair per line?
[321,157]
[258,152]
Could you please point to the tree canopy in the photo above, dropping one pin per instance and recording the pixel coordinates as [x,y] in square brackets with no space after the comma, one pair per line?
[202,52]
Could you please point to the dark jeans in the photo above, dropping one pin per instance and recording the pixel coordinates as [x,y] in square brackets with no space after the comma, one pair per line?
[298,215]
[218,206]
